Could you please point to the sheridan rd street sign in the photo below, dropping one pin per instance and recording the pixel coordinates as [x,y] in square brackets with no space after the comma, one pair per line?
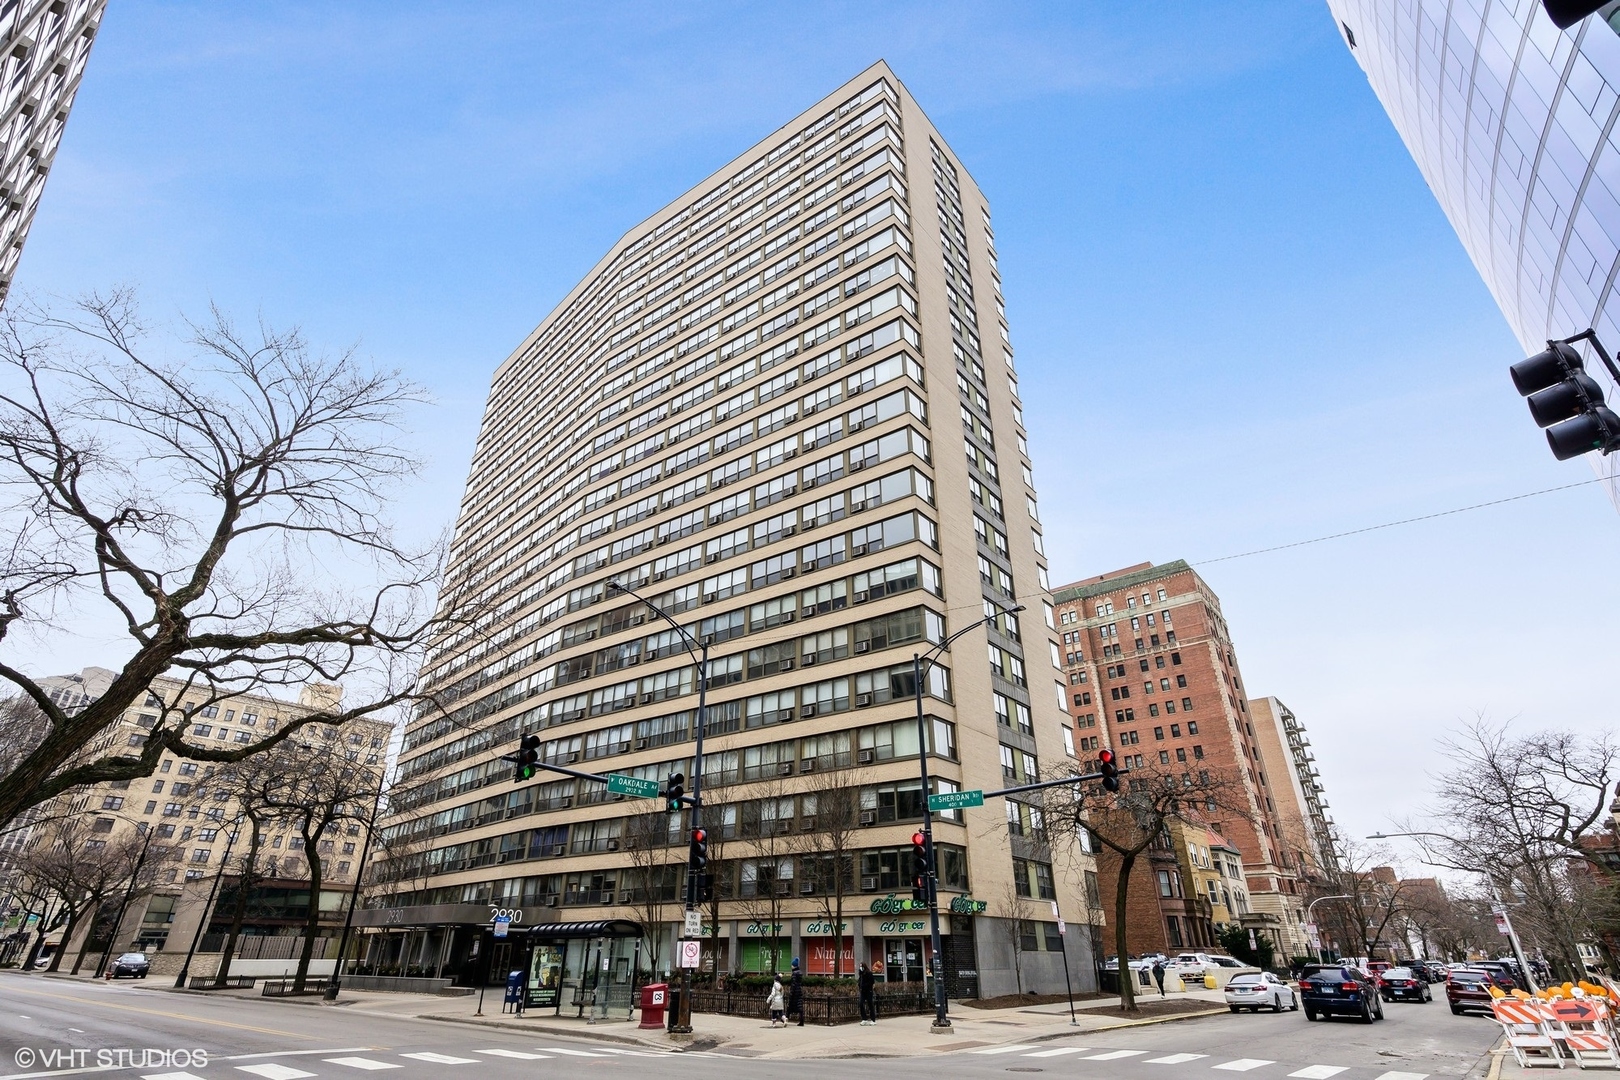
[630,785]
[955,800]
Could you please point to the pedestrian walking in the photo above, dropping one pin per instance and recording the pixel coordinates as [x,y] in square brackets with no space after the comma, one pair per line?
[1158,975]
[773,1002]
[866,986]
[796,993]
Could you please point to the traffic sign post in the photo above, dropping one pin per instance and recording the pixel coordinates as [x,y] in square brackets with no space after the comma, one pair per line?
[955,800]
[618,784]
[502,924]
[1063,935]
[694,925]
[691,952]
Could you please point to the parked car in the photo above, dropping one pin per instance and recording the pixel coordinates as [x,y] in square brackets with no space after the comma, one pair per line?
[1198,964]
[1404,984]
[1254,992]
[133,964]
[1341,991]
[1468,989]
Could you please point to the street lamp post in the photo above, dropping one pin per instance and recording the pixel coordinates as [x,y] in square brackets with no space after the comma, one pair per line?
[920,662]
[699,652]
[1310,907]
[331,992]
[129,894]
[1497,906]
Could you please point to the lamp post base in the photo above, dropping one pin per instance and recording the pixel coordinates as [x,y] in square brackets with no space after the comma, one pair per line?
[941,1027]
[681,1036]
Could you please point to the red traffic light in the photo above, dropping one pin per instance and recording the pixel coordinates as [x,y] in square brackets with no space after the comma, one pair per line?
[917,839]
[1105,756]
[699,836]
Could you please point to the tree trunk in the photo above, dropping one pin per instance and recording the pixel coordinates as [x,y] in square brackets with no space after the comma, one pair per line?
[838,928]
[1122,891]
[239,913]
[312,922]
[75,916]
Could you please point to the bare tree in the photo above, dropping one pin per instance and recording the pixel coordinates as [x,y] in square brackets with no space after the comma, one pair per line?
[188,500]
[829,843]
[766,863]
[1016,917]
[315,801]
[655,879]
[1375,899]
[1125,825]
[1515,810]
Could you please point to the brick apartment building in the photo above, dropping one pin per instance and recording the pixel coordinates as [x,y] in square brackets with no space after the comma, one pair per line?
[1152,673]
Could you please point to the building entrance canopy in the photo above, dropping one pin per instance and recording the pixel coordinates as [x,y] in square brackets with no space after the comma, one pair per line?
[598,928]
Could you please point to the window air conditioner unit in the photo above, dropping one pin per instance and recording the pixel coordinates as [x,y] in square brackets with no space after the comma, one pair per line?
[855,390]
[784,888]
[618,796]
[637,620]
[870,882]
[785,665]
[663,539]
[805,613]
[789,530]
[809,658]
[551,901]
[862,700]
[856,425]
[624,747]
[641,744]
[632,660]
[613,843]
[572,758]
[807,711]
[709,598]
[660,575]
[857,464]
[863,646]
[558,849]
[866,757]
[807,765]
[810,482]
[856,506]
[714,556]
[786,768]
[858,549]
[787,616]
[807,888]
[646,699]
[564,803]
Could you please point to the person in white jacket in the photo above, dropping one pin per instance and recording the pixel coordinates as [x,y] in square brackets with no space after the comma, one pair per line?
[775,1004]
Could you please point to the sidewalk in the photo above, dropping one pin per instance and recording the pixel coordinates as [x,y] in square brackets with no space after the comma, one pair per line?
[749,1037]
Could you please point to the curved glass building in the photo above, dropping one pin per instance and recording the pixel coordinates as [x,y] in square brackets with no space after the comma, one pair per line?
[1514,125]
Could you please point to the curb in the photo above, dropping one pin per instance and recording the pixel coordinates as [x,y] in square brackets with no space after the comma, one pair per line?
[536,1030]
[1130,1024]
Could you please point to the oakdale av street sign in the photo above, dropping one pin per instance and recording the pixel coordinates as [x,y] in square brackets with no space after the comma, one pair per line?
[956,800]
[618,784]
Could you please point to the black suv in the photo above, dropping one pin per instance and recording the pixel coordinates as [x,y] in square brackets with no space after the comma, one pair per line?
[1340,991]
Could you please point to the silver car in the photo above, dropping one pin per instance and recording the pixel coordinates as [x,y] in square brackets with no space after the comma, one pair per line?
[1254,992]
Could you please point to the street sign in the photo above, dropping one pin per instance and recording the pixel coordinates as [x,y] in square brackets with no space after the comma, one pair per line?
[501,924]
[694,925]
[955,800]
[631,785]
[1062,928]
[1502,925]
[691,951]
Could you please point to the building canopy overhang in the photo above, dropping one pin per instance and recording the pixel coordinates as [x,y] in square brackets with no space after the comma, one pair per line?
[560,931]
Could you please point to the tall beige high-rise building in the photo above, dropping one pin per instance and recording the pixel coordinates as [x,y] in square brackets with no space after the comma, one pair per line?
[783,409]
[44,45]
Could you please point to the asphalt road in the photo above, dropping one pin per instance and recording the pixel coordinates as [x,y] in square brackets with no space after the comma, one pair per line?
[52,1027]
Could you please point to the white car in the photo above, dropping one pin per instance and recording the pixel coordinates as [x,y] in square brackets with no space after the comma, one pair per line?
[1255,992]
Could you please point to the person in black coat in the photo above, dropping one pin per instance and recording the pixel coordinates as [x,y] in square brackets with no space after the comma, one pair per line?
[796,993]
[1158,975]
[866,985]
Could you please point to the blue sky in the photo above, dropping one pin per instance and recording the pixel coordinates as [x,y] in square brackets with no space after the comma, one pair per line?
[1241,319]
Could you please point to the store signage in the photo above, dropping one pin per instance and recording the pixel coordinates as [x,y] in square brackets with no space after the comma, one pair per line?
[823,927]
[901,926]
[966,905]
[893,905]
[761,929]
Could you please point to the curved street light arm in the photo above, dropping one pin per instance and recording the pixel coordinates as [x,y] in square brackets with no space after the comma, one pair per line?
[688,642]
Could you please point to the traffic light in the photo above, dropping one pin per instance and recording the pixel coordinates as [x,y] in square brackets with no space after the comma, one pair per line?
[705,888]
[674,791]
[1110,771]
[1566,13]
[1566,401]
[528,759]
[919,867]
[697,856]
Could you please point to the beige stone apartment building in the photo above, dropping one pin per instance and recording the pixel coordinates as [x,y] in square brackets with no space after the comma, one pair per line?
[783,409]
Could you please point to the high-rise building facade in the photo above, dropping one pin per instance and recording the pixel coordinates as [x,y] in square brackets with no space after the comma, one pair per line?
[44,45]
[1153,673]
[783,410]
[1513,124]
[1302,808]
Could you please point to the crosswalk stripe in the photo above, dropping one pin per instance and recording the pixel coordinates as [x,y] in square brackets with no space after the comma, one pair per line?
[440,1059]
[1059,1052]
[626,1053]
[1173,1059]
[516,1054]
[1318,1072]
[571,1053]
[171,1076]
[1113,1055]
[1003,1049]
[1243,1064]
[1403,1076]
[271,1071]
[369,1064]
